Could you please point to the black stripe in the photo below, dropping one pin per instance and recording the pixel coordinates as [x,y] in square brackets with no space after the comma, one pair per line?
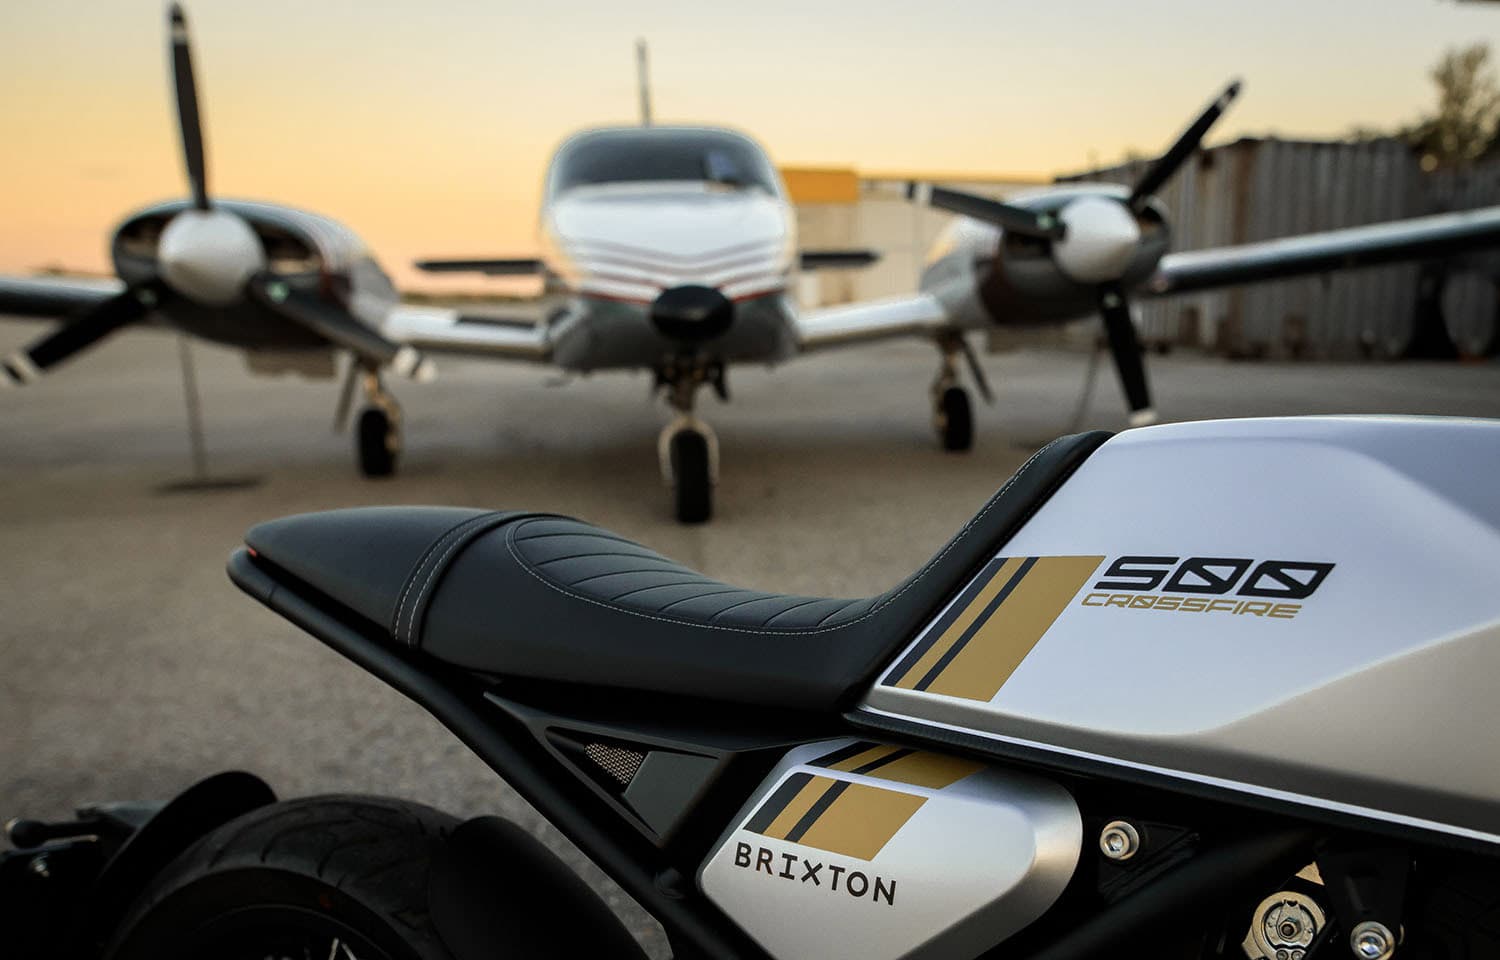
[817,810]
[772,807]
[891,757]
[843,753]
[979,621]
[954,611]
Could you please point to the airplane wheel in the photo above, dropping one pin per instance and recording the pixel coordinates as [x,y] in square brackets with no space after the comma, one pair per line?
[379,443]
[955,420]
[690,472]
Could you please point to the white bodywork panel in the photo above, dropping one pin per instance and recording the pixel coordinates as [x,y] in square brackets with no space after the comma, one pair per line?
[1370,694]
[923,856]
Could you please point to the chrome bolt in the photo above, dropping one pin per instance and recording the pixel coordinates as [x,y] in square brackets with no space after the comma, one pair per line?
[1372,940]
[39,867]
[1119,840]
[1289,929]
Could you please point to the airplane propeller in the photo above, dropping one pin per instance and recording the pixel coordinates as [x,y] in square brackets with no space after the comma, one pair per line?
[1093,239]
[210,256]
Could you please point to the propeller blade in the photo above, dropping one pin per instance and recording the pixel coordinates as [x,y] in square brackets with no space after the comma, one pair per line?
[187,106]
[1008,218]
[339,327]
[78,333]
[1120,329]
[1163,167]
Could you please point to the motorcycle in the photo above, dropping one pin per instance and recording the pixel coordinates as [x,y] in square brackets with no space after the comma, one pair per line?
[1220,689]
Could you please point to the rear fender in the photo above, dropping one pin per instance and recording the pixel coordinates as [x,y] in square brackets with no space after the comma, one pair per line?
[192,814]
[494,883]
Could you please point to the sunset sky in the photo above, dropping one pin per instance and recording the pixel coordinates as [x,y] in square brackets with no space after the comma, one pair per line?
[427,126]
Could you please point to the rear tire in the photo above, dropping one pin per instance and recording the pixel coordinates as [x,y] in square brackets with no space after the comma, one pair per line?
[378,443]
[954,420]
[336,876]
[691,477]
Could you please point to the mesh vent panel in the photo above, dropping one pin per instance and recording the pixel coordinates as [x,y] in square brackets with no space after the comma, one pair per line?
[619,762]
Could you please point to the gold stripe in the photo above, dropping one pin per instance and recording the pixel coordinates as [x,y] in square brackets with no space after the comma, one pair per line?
[927,770]
[864,757]
[956,629]
[861,821]
[997,648]
[799,805]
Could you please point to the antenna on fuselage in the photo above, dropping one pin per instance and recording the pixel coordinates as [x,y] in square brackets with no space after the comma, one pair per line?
[643,81]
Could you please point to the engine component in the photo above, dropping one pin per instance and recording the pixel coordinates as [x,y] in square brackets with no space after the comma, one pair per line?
[1371,940]
[859,849]
[1283,925]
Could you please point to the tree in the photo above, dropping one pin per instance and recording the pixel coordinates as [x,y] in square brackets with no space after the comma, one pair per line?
[1464,126]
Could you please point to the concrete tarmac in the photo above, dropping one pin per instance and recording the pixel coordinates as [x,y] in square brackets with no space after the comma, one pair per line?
[130,667]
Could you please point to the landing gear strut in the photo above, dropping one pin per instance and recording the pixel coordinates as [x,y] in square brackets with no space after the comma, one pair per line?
[378,434]
[952,414]
[687,449]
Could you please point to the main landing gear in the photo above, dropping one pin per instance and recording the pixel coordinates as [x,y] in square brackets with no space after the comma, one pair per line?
[687,448]
[952,414]
[378,433]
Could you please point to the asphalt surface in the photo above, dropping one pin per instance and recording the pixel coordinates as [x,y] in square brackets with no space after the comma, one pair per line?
[130,667]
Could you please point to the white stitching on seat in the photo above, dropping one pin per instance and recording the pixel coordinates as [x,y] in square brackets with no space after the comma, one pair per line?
[416,601]
[411,578]
[510,536]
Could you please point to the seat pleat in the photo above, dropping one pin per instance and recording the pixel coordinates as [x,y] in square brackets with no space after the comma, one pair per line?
[580,570]
[756,611]
[711,598]
[627,580]
[803,615]
[560,548]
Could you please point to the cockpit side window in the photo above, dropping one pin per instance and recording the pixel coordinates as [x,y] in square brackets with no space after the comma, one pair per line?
[660,154]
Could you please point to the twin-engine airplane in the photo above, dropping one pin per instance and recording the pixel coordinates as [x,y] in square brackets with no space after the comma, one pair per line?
[674,250]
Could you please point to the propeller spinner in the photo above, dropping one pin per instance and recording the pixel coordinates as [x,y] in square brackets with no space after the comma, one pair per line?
[1093,239]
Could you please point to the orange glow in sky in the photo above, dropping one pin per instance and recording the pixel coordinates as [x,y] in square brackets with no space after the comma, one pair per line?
[426,127]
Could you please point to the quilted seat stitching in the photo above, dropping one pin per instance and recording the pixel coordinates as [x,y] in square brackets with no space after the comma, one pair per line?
[619,573]
[767,622]
[700,596]
[662,586]
[884,601]
[612,553]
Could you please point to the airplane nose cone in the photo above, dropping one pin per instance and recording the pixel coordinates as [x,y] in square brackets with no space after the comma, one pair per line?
[208,255]
[692,313]
[1102,237]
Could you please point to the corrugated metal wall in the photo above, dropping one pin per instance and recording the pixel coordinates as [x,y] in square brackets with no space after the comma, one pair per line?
[1261,189]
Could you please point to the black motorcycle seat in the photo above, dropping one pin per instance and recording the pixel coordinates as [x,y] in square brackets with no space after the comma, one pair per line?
[549,598]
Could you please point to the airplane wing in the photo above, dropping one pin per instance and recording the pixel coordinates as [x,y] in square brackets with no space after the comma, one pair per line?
[446,330]
[1400,240]
[53,297]
[496,267]
[918,314]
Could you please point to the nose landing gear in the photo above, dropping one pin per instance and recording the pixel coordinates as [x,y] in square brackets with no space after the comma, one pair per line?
[687,449]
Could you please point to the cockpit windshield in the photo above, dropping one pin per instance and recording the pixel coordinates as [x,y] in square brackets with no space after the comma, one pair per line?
[634,155]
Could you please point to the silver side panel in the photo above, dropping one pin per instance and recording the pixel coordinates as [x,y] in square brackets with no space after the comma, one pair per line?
[853,849]
[1306,609]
